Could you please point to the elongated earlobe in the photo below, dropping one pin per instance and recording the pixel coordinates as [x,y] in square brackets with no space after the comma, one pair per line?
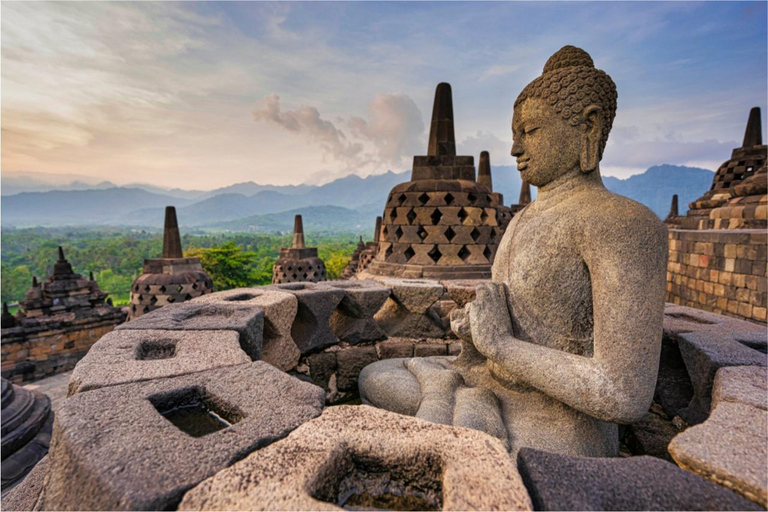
[590,142]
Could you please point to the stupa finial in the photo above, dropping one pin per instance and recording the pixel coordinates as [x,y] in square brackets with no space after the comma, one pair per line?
[377,232]
[298,233]
[171,237]
[484,171]
[61,254]
[673,210]
[442,140]
[753,136]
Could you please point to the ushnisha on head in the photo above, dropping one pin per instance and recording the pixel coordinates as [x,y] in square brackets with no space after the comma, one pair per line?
[572,105]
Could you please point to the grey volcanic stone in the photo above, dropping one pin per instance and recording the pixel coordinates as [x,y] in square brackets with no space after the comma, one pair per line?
[114,450]
[408,311]
[563,482]
[394,348]
[707,343]
[731,446]
[321,366]
[462,291]
[121,357]
[742,384]
[25,495]
[247,321]
[278,348]
[311,329]
[358,456]
[353,320]
[350,362]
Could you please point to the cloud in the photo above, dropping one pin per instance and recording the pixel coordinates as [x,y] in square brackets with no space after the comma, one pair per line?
[393,132]
[306,120]
[395,127]
[486,141]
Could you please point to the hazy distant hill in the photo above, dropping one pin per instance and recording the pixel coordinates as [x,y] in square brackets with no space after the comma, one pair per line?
[79,207]
[317,219]
[364,197]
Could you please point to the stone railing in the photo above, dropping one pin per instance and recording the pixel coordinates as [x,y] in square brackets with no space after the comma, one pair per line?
[175,410]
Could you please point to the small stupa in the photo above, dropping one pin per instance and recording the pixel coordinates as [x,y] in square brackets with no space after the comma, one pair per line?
[367,256]
[443,223]
[298,263]
[170,279]
[354,261]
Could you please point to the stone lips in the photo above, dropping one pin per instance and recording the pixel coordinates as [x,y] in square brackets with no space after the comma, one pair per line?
[113,450]
[248,321]
[341,453]
[280,310]
[127,356]
[563,482]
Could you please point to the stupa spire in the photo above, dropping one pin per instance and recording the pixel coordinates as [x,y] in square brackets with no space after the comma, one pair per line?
[484,171]
[673,210]
[171,237]
[377,232]
[525,194]
[753,136]
[61,254]
[442,140]
[298,233]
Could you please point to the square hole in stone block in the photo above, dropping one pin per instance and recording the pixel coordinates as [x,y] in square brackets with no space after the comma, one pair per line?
[241,297]
[195,412]
[356,481]
[150,350]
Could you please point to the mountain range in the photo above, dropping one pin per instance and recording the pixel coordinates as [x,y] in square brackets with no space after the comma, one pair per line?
[347,204]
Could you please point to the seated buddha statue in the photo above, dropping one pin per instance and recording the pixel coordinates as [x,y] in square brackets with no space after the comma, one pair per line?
[564,342]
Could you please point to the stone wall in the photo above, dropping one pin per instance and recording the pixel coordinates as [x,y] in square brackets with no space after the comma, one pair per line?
[31,353]
[721,271]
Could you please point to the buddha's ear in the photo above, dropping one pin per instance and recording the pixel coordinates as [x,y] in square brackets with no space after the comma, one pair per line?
[590,143]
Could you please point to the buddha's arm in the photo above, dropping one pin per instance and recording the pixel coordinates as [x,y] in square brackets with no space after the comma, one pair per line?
[627,269]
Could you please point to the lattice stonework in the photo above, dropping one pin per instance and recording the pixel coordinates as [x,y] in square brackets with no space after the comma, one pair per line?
[153,291]
[289,269]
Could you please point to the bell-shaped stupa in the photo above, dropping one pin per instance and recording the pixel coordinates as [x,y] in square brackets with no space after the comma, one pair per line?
[298,263]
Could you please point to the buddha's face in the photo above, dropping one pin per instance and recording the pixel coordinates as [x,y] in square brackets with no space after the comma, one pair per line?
[545,145]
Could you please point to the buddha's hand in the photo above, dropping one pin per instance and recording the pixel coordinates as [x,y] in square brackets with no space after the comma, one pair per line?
[460,324]
[489,318]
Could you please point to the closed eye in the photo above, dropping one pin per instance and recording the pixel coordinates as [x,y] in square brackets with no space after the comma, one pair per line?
[531,130]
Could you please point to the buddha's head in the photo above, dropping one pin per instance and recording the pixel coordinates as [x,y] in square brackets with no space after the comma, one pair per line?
[562,119]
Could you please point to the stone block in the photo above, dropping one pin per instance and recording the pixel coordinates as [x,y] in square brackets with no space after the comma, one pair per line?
[316,304]
[741,384]
[24,496]
[566,482]
[360,457]
[429,349]
[730,448]
[707,342]
[353,320]
[278,347]
[321,366]
[350,363]
[247,321]
[407,312]
[126,356]
[395,348]
[142,446]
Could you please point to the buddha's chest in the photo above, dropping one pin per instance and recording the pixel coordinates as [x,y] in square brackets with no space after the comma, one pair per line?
[549,285]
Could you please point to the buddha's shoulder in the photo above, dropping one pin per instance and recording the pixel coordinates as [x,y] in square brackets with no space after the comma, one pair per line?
[601,210]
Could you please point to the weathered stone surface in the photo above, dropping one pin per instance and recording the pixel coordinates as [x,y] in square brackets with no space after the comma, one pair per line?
[407,312]
[651,436]
[394,348]
[24,496]
[316,303]
[278,348]
[462,291]
[428,349]
[350,362]
[321,366]
[247,321]
[566,338]
[125,356]
[353,320]
[708,342]
[742,384]
[562,482]
[730,448]
[113,448]
[357,456]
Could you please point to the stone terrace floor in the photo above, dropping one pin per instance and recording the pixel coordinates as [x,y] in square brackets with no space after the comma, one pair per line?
[55,387]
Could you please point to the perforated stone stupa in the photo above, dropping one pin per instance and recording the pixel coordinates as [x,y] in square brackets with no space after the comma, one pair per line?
[170,279]
[298,263]
[744,163]
[442,223]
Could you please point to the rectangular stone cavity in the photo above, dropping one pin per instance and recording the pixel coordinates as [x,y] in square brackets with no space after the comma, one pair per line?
[151,350]
[194,412]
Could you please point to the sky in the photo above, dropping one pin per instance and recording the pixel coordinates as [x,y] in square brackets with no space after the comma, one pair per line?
[201,95]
